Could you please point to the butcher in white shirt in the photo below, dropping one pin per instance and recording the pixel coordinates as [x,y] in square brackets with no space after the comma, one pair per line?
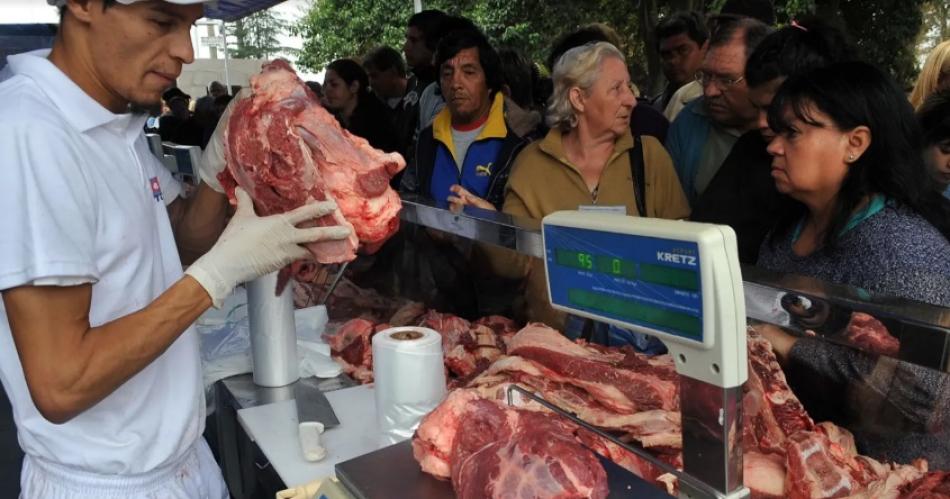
[97,352]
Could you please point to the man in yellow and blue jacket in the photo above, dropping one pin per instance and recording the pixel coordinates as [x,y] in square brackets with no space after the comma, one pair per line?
[469,143]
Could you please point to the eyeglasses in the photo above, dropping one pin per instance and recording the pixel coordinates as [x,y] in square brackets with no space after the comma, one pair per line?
[721,82]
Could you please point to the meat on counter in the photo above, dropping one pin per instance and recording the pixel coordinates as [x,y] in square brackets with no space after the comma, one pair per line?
[468,347]
[634,396]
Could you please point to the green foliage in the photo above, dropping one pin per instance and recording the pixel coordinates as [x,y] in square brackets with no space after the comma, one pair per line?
[884,30]
[340,28]
[256,36]
[791,9]
[936,27]
[333,29]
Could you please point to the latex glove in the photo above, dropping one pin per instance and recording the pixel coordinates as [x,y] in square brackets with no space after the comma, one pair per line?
[252,246]
[212,159]
[307,491]
[461,197]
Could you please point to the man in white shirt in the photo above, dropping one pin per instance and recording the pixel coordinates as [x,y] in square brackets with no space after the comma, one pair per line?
[97,352]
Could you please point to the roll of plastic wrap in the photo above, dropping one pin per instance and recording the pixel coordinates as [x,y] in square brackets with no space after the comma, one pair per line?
[410,379]
[273,335]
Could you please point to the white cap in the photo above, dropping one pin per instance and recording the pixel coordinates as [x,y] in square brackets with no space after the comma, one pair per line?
[60,3]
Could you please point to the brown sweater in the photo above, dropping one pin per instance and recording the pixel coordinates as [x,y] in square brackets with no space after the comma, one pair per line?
[543,181]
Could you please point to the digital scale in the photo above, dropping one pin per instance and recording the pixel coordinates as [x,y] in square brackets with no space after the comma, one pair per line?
[680,282]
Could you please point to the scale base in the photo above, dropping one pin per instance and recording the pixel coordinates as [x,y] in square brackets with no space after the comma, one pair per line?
[393,472]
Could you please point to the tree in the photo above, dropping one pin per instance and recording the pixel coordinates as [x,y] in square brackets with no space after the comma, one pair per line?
[255,36]
[936,26]
[334,29]
[340,28]
[884,31]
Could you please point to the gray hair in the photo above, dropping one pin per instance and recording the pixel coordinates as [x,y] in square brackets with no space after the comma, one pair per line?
[578,67]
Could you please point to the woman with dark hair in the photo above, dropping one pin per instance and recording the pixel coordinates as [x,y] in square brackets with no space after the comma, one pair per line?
[934,118]
[848,150]
[346,94]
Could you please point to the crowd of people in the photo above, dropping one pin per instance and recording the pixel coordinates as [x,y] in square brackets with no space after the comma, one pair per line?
[819,161]
[838,180]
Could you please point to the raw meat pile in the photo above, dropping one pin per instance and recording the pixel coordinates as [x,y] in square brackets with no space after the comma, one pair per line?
[636,397]
[286,150]
[468,347]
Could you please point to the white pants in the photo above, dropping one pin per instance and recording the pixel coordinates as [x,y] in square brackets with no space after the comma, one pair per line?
[195,476]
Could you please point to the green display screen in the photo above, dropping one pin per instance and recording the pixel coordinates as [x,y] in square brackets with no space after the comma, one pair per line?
[648,272]
[669,276]
[596,263]
[636,311]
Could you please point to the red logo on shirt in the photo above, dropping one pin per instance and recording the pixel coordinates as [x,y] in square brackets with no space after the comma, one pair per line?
[156,189]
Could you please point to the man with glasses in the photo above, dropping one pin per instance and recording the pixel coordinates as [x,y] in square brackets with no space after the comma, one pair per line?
[703,134]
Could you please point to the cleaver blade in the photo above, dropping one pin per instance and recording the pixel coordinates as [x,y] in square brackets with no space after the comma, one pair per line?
[313,406]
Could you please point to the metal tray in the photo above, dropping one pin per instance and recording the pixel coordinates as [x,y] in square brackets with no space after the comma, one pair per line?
[392,472]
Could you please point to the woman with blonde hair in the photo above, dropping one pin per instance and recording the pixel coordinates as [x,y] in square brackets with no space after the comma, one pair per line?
[934,76]
[588,160]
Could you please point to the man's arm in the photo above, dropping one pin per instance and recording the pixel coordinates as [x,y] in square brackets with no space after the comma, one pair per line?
[70,366]
[198,221]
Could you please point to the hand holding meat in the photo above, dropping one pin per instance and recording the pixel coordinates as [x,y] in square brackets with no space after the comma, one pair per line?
[252,246]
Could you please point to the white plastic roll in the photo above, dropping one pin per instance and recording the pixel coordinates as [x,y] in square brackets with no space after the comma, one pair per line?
[273,335]
[410,379]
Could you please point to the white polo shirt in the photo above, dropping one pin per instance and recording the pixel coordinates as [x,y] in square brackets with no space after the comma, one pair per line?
[83,201]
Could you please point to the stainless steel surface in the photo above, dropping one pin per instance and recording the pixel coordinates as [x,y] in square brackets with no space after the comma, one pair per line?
[392,472]
[712,429]
[520,234]
[244,393]
[389,473]
[804,304]
[703,489]
[312,405]
[924,330]
[333,283]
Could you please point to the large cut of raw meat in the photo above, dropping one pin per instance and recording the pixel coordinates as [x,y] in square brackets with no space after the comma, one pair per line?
[493,451]
[636,397]
[286,150]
